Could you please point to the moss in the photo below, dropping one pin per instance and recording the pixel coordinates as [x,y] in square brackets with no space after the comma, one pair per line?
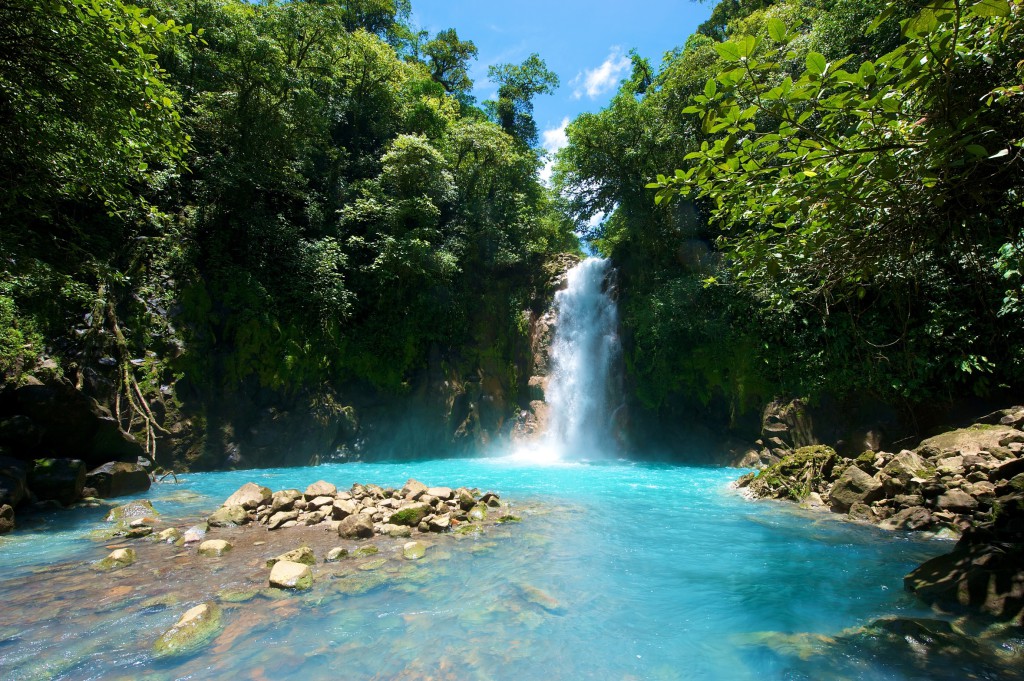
[365,551]
[866,459]
[806,470]
[411,515]
[510,519]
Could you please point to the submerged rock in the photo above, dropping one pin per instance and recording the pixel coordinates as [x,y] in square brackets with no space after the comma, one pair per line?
[195,533]
[194,629]
[984,577]
[118,558]
[288,575]
[303,555]
[414,550]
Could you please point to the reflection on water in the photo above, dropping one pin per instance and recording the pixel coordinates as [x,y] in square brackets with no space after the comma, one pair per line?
[617,571]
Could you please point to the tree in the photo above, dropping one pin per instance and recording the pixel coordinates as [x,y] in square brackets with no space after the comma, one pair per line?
[518,84]
[448,58]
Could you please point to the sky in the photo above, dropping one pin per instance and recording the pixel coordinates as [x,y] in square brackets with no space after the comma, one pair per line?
[586,42]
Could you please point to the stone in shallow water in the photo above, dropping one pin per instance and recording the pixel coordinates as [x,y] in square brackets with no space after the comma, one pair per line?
[126,513]
[195,629]
[414,550]
[364,551]
[303,555]
[510,519]
[227,516]
[375,564]
[336,554]
[288,575]
[195,533]
[170,535]
[478,512]
[117,559]
[214,547]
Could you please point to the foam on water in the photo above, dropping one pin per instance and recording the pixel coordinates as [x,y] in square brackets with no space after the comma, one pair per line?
[654,572]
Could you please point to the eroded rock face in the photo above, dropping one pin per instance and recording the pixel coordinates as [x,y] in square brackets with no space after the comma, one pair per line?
[57,479]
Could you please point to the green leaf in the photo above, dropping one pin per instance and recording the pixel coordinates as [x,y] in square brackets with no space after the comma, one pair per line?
[816,63]
[728,51]
[991,8]
[710,88]
[777,30]
[977,150]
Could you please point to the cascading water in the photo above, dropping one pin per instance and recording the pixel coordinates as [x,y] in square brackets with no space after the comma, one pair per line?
[582,391]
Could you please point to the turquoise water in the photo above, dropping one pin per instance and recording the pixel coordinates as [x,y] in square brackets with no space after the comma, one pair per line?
[646,572]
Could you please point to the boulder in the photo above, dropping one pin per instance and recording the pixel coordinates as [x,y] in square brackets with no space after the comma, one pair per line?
[227,516]
[465,499]
[320,488]
[133,510]
[342,508]
[13,481]
[303,555]
[413,550]
[284,500]
[356,526]
[194,629]
[440,523]
[117,479]
[320,502]
[854,486]
[336,554]
[170,535]
[396,531]
[214,548]
[478,512]
[279,519]
[957,501]
[249,496]
[443,493]
[413,489]
[410,515]
[913,518]
[805,470]
[57,479]
[119,558]
[288,575]
[974,577]
[6,518]
[905,466]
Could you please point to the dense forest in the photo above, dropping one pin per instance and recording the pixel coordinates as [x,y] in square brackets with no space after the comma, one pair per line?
[219,215]
[227,207]
[832,209]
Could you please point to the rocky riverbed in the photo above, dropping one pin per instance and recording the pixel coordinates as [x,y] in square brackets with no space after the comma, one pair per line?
[966,484]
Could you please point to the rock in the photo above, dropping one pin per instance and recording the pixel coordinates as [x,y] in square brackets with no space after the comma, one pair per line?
[320,502]
[117,479]
[6,518]
[975,577]
[478,512]
[13,481]
[133,510]
[968,440]
[196,628]
[440,523]
[357,526]
[443,493]
[336,554]
[284,500]
[170,535]
[413,489]
[61,480]
[806,470]
[279,519]
[957,501]
[227,516]
[288,575]
[303,555]
[249,496]
[396,531]
[516,519]
[214,548]
[139,531]
[905,466]
[913,518]
[195,533]
[343,508]
[854,486]
[410,515]
[320,489]
[744,480]
[465,499]
[119,558]
[413,550]
[541,598]
[364,551]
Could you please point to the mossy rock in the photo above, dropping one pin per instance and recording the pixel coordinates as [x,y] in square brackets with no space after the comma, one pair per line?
[806,470]
[196,628]
[119,558]
[410,515]
[364,551]
[237,595]
[375,564]
[510,519]
[469,529]
[361,582]
[478,512]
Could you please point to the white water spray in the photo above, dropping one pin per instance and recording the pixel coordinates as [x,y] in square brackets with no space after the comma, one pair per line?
[582,392]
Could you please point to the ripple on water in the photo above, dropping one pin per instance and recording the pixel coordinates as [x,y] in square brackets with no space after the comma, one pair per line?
[617,570]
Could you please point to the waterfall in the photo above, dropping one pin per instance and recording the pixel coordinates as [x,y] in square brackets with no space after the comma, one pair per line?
[582,390]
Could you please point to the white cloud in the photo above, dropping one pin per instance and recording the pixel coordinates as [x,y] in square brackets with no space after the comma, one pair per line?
[595,82]
[552,140]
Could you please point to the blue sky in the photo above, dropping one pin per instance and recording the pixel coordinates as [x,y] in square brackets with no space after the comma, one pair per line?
[584,41]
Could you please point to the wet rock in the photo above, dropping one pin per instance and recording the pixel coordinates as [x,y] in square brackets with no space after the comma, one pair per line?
[123,516]
[510,519]
[118,558]
[413,550]
[170,535]
[374,564]
[213,548]
[957,501]
[278,520]
[193,630]
[336,554]
[478,513]
[228,516]
[364,551]
[6,519]
[117,479]
[59,480]
[491,499]
[410,515]
[357,526]
[139,531]
[303,555]
[854,486]
[249,496]
[288,575]
[320,489]
[465,499]
[196,533]
[440,523]
[541,598]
